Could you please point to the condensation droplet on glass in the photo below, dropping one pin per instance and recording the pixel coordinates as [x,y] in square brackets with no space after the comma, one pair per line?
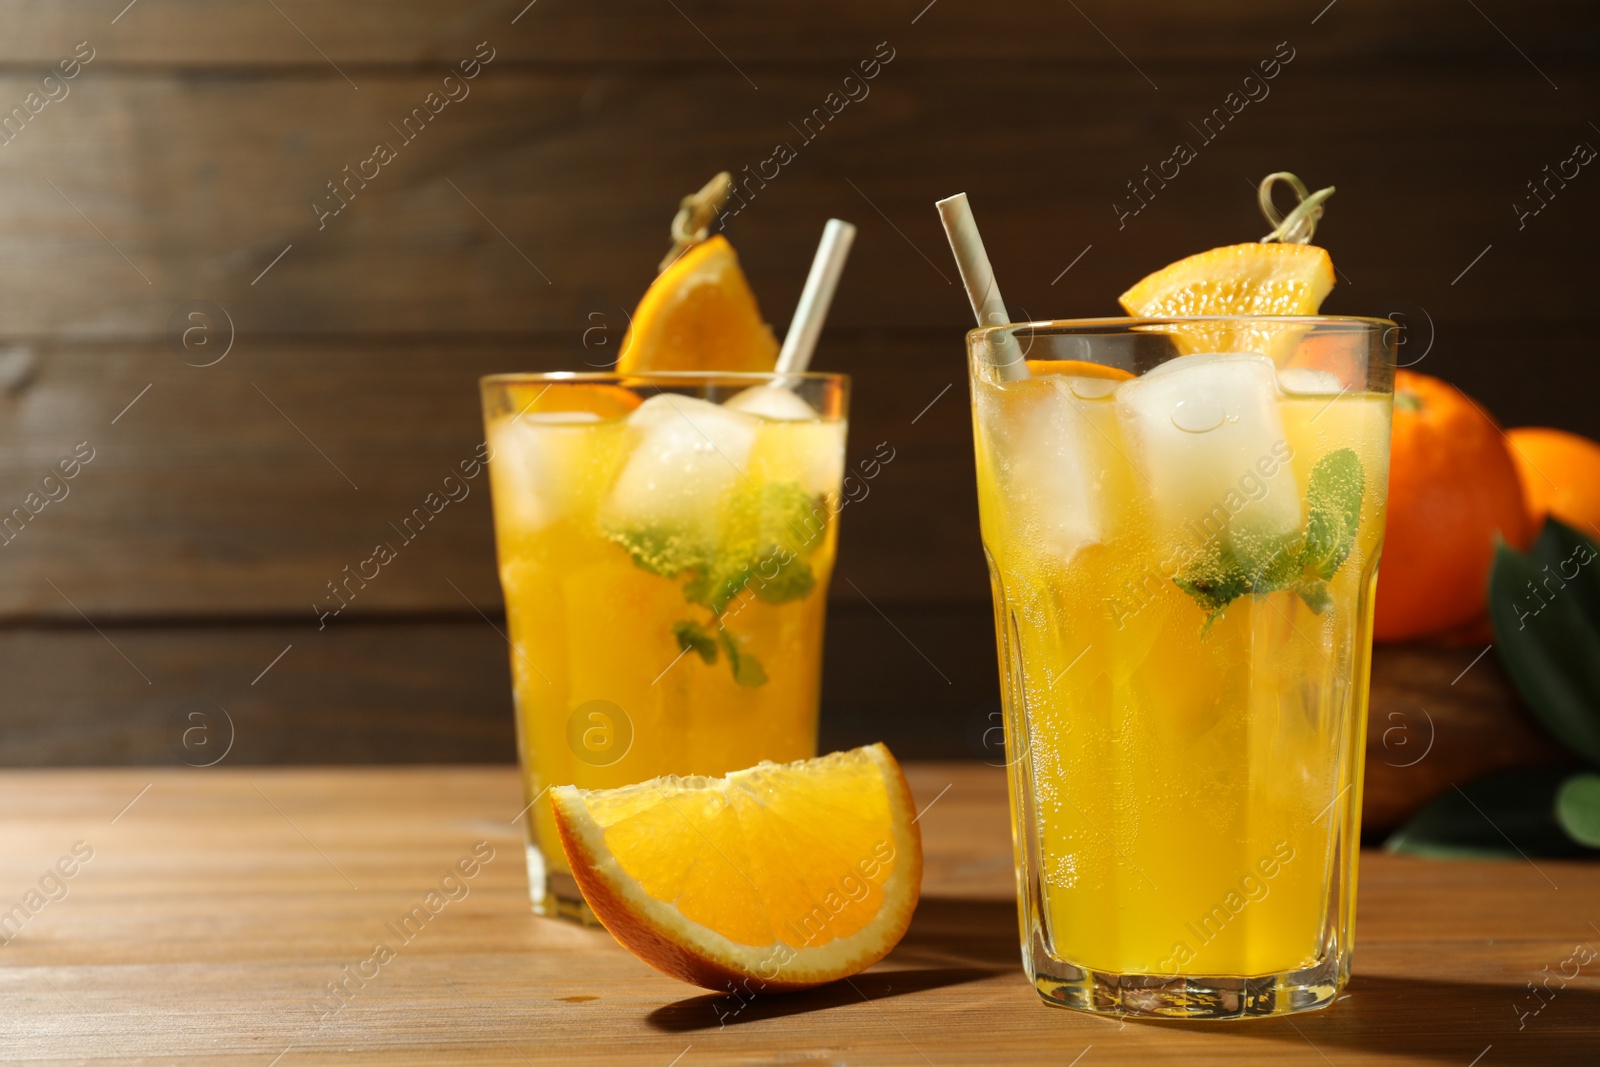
[1198,416]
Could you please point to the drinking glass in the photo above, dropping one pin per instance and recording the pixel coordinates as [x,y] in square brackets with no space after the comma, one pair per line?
[1183,520]
[665,542]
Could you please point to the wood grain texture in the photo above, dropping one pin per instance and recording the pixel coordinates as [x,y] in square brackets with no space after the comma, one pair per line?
[243,488]
[420,690]
[413,691]
[545,196]
[416,690]
[357,33]
[217,907]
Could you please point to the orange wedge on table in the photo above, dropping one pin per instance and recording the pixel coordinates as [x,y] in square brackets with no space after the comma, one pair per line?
[779,877]
[699,314]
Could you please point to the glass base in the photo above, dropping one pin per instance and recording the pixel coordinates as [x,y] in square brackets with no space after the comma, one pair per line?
[555,894]
[1190,996]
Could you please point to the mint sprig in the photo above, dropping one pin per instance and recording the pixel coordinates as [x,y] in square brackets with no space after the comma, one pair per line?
[660,550]
[747,670]
[764,533]
[1334,500]
[1303,562]
[692,637]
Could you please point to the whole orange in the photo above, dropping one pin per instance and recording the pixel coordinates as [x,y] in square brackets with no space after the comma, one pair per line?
[1453,487]
[1560,476]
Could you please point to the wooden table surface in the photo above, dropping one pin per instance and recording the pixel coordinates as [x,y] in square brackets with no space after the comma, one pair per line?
[207,912]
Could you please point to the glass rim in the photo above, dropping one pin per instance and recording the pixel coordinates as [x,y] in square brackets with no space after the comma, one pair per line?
[1069,326]
[684,377]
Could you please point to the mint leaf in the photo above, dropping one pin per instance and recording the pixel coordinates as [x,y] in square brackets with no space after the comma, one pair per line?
[1272,564]
[1286,569]
[1221,577]
[777,579]
[692,637]
[1214,584]
[766,531]
[747,670]
[774,520]
[1334,499]
[1303,563]
[713,588]
[794,581]
[1315,594]
[660,550]
[762,536]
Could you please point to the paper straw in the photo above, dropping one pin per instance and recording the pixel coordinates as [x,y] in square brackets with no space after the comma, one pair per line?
[978,277]
[801,340]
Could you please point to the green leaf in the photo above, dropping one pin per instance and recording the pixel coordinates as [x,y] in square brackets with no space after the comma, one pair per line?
[1214,591]
[1316,595]
[747,670]
[780,578]
[1263,565]
[1214,579]
[764,532]
[1333,497]
[714,588]
[1545,608]
[1578,808]
[1560,551]
[1505,814]
[768,531]
[793,581]
[1273,564]
[661,550]
[692,637]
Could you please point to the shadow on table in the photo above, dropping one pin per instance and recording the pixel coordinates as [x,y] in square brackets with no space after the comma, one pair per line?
[950,942]
[716,1010]
[1452,1022]
[977,933]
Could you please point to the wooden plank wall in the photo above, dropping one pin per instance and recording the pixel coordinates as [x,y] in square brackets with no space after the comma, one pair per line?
[188,159]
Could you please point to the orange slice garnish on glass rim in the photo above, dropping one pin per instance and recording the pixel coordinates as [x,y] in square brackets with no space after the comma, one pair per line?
[699,314]
[1246,279]
[779,877]
[1258,280]
[1283,274]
